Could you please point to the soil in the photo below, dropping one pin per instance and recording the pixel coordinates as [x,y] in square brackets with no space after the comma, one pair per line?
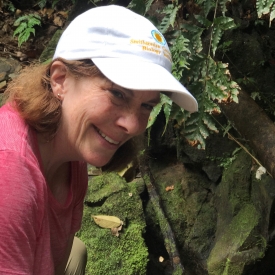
[52,19]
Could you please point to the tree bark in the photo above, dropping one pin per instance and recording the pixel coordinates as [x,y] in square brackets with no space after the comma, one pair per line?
[255,126]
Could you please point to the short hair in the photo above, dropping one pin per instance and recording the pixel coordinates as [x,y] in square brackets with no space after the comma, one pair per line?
[31,95]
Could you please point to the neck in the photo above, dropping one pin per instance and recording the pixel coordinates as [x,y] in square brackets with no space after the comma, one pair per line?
[55,166]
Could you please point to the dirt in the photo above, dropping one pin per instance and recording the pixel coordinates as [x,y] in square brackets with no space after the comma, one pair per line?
[52,19]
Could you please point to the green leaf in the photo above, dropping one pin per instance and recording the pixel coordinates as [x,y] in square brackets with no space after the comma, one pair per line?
[217,34]
[203,20]
[20,28]
[169,18]
[208,5]
[153,115]
[137,6]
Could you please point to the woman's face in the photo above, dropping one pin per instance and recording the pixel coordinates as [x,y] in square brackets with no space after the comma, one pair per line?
[99,116]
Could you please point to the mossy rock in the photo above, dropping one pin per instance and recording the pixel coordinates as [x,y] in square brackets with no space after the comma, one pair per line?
[48,52]
[239,240]
[127,254]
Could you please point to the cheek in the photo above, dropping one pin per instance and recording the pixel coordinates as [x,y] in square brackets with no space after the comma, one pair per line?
[143,122]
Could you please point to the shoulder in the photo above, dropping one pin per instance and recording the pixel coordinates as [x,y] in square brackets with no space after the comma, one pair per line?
[13,127]
[15,134]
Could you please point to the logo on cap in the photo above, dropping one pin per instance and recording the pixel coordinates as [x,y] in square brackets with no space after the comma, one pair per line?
[159,38]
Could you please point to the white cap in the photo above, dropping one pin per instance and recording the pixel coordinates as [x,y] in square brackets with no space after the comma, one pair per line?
[127,48]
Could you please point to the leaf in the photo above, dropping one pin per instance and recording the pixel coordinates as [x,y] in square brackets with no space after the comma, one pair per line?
[137,6]
[217,34]
[169,18]
[154,113]
[203,20]
[107,221]
[208,5]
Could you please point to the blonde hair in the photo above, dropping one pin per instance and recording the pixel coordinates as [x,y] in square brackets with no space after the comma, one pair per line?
[31,95]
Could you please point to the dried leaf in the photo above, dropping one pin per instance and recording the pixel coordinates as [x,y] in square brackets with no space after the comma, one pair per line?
[169,188]
[107,221]
[115,231]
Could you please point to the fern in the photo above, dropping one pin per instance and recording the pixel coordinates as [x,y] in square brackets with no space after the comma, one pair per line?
[148,4]
[207,6]
[179,51]
[137,6]
[272,15]
[222,4]
[193,34]
[209,81]
[266,7]
[25,26]
[169,18]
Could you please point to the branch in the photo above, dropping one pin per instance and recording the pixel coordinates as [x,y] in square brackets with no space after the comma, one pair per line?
[166,230]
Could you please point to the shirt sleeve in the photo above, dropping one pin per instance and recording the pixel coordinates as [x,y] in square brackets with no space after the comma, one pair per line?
[21,197]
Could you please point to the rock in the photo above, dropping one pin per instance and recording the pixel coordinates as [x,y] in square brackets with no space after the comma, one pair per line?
[109,194]
[9,67]
[3,84]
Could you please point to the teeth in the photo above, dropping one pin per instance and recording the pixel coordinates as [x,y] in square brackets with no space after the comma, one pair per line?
[107,138]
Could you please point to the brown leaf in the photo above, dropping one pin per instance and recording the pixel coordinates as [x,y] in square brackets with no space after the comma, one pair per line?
[169,188]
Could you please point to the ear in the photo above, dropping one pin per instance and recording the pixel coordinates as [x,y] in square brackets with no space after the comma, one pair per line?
[59,74]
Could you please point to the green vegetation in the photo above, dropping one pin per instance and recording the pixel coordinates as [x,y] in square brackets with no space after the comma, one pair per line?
[126,254]
[25,27]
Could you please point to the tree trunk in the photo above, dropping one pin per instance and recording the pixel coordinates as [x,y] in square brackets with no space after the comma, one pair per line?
[255,126]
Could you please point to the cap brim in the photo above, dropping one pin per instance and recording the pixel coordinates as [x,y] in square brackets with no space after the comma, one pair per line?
[145,76]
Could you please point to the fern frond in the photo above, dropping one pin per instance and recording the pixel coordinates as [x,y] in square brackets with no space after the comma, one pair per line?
[272,14]
[209,122]
[148,4]
[217,35]
[223,6]
[169,18]
[154,113]
[20,28]
[20,19]
[34,20]
[207,6]
[263,7]
[138,6]
[203,20]
[24,36]
[193,34]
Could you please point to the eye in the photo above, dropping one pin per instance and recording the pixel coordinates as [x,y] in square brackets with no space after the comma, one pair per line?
[117,94]
[117,97]
[148,106]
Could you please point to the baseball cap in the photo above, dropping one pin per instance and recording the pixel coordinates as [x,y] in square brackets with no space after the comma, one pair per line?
[127,48]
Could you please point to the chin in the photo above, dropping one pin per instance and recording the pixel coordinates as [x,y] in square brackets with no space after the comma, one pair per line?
[98,162]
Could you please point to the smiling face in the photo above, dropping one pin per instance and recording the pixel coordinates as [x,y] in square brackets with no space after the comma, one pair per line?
[99,116]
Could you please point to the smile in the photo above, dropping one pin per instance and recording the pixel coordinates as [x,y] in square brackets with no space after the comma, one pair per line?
[108,138]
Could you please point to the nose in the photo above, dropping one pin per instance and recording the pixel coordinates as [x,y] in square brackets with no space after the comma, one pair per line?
[132,123]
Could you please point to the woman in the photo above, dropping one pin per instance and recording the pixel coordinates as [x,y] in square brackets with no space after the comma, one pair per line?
[86,106]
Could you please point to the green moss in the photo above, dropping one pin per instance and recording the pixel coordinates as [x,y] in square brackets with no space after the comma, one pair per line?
[108,254]
[227,257]
[48,52]
[101,187]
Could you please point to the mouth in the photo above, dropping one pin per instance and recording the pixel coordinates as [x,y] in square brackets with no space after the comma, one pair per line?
[108,138]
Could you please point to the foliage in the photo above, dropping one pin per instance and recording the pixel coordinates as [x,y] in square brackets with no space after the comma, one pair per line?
[195,67]
[25,26]
[265,7]
[43,3]
[8,5]
[110,195]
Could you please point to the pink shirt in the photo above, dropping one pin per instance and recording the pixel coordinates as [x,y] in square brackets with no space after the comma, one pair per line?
[34,226]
